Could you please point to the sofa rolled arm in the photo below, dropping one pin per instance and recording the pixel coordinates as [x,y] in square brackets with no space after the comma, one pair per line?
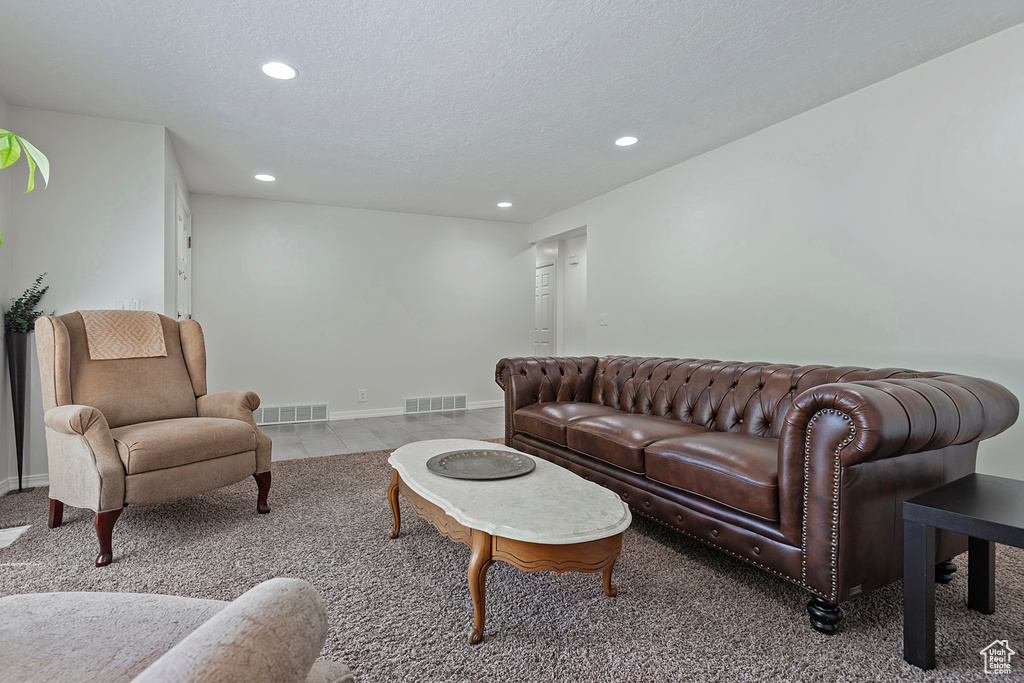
[832,445]
[273,632]
[543,379]
[238,405]
[84,467]
[892,417]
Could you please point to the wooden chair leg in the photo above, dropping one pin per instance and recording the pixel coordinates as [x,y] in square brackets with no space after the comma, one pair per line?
[56,514]
[104,530]
[263,485]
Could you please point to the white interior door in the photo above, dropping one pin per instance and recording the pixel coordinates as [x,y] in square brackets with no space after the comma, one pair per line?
[183,227]
[544,325]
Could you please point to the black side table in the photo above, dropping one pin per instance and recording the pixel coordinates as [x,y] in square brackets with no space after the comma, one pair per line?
[989,510]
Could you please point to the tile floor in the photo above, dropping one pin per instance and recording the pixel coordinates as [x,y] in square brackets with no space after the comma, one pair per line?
[380,433]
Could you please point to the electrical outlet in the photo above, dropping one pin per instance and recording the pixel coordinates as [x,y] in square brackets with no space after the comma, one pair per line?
[124,303]
[362,395]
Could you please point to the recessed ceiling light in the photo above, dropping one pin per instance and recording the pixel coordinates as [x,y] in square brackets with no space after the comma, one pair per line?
[279,70]
[626,141]
[265,178]
[504,205]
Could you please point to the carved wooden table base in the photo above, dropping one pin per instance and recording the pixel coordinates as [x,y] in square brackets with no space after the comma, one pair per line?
[590,557]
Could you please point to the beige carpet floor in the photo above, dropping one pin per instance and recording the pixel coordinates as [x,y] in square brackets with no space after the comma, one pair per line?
[399,610]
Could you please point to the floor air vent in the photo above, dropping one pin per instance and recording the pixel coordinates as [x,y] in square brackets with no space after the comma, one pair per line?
[306,412]
[435,404]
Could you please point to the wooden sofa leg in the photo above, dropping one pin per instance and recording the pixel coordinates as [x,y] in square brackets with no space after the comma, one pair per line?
[263,485]
[56,514]
[944,571]
[825,615]
[104,530]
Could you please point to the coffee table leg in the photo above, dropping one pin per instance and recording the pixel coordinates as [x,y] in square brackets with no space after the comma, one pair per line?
[393,500]
[609,588]
[479,561]
[981,575]
[919,594]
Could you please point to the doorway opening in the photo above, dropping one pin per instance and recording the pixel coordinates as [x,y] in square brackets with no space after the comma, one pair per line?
[560,308]
[183,263]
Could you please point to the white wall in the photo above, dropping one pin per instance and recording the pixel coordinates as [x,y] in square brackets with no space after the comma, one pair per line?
[547,253]
[882,229]
[97,230]
[7,457]
[304,303]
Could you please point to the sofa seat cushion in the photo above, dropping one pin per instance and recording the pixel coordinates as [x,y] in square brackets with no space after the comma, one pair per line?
[548,420]
[619,439]
[157,445]
[737,470]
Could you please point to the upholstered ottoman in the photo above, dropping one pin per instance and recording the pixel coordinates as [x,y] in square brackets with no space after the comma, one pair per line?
[273,633]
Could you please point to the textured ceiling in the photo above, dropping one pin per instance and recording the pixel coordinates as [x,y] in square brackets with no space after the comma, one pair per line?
[449,106]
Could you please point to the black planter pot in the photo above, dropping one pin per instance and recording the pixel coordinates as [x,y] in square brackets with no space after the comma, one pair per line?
[17,363]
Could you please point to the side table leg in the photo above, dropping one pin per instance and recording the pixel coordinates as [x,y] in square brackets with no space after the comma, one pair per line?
[479,561]
[981,575]
[393,500]
[919,594]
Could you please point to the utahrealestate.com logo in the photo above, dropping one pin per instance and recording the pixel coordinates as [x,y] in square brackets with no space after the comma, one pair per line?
[997,657]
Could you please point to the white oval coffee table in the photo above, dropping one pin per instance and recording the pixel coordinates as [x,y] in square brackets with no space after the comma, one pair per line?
[549,519]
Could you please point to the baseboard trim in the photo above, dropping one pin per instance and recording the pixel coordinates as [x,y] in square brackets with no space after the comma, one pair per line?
[500,403]
[355,414]
[29,482]
[388,412]
[32,481]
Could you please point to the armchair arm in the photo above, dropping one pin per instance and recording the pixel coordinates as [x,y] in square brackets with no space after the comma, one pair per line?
[273,632]
[238,405]
[235,405]
[84,467]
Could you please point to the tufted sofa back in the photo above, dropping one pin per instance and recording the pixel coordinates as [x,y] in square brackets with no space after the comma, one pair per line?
[745,398]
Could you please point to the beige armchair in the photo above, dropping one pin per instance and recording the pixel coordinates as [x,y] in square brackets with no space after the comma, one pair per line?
[128,419]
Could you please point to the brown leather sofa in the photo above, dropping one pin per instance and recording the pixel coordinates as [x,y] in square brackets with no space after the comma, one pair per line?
[801,471]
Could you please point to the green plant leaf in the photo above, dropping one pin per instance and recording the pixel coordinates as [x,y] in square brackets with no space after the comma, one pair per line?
[31,172]
[40,160]
[11,152]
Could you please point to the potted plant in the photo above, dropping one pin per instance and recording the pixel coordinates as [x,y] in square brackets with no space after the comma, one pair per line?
[19,321]
[11,146]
